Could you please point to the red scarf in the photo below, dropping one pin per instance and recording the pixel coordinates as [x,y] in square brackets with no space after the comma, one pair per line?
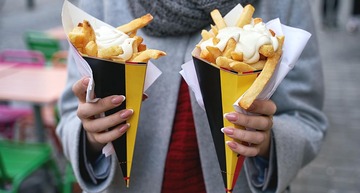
[183,168]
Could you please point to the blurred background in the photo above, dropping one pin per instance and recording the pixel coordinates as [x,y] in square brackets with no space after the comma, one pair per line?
[335,170]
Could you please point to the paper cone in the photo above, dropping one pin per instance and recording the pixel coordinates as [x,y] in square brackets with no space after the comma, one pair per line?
[219,89]
[121,79]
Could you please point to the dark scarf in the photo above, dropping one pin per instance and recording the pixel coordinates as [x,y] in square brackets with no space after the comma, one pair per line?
[176,17]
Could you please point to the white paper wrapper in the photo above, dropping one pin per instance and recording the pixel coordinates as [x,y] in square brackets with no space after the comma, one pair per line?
[71,16]
[295,42]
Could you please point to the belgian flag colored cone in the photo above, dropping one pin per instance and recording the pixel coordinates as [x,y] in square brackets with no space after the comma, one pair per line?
[220,88]
[127,79]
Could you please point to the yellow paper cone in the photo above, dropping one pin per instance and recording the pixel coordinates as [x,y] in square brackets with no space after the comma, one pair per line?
[134,80]
[232,87]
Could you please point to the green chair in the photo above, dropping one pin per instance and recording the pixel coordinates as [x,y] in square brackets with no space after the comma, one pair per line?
[20,160]
[42,42]
[70,184]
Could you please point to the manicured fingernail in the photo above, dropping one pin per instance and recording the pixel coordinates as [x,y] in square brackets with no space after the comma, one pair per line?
[231,144]
[124,127]
[126,113]
[227,131]
[118,99]
[231,116]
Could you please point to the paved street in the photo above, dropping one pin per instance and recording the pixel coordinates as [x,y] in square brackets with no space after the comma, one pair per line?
[337,168]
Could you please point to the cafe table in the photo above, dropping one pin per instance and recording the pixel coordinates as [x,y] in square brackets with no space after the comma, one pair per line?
[36,86]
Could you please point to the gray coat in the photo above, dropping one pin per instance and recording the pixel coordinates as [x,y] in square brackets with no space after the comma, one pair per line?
[299,124]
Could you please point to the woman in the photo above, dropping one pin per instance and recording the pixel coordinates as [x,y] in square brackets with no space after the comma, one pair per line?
[170,154]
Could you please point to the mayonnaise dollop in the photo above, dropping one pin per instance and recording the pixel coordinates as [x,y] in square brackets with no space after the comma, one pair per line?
[249,39]
[107,37]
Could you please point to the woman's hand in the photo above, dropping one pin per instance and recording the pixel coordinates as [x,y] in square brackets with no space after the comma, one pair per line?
[96,128]
[259,138]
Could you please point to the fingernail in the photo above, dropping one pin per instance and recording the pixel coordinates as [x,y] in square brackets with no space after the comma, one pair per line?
[231,144]
[231,116]
[124,127]
[227,131]
[126,113]
[118,99]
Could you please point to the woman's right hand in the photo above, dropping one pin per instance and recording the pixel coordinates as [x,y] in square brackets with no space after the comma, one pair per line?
[96,128]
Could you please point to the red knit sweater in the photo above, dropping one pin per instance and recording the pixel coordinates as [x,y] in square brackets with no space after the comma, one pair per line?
[183,168]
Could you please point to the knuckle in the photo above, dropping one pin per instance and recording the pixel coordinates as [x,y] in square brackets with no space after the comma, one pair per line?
[102,102]
[245,120]
[268,123]
[255,152]
[87,126]
[241,135]
[80,113]
[275,108]
[271,123]
[260,137]
[99,138]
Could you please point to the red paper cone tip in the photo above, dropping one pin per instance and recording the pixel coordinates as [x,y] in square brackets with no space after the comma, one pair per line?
[228,191]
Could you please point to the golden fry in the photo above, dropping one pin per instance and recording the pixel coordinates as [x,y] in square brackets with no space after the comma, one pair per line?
[108,53]
[241,66]
[138,40]
[141,47]
[267,50]
[76,37]
[214,51]
[206,35]
[230,47]
[224,62]
[83,38]
[246,16]
[260,82]
[218,19]
[214,30]
[259,65]
[81,35]
[206,55]
[147,55]
[132,33]
[257,20]
[239,56]
[215,40]
[91,49]
[136,24]
[88,31]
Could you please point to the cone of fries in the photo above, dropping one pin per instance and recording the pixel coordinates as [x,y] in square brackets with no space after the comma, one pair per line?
[116,60]
[235,58]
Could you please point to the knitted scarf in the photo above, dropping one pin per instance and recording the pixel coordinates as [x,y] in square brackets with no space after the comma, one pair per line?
[177,17]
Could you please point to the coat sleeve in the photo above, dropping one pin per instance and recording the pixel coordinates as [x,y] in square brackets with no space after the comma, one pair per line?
[299,124]
[69,132]
[70,129]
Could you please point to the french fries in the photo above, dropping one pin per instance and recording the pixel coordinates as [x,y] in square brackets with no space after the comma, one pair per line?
[132,49]
[236,48]
[264,77]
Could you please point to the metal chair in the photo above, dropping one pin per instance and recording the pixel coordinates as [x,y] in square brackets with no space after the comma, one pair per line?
[23,57]
[42,42]
[18,161]
[10,115]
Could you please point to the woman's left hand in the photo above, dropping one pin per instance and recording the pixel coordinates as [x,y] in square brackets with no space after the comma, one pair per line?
[259,137]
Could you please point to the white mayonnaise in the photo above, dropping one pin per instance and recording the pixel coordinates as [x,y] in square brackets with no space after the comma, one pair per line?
[249,39]
[107,37]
